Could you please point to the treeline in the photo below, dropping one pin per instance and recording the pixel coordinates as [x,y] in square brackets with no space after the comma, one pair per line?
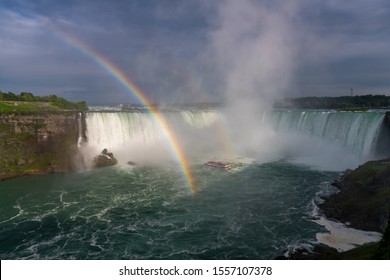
[341,102]
[55,100]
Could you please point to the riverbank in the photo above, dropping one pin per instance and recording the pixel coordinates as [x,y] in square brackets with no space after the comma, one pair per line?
[361,203]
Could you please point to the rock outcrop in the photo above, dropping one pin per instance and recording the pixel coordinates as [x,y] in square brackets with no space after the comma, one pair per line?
[363,200]
[105,159]
[39,143]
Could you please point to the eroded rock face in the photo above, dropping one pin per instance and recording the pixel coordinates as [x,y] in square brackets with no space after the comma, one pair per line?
[105,159]
[38,143]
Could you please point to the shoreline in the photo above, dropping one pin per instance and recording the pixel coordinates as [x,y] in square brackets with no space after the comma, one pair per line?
[357,217]
[29,173]
[344,238]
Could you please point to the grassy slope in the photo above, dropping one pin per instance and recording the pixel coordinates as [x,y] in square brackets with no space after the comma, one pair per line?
[27,107]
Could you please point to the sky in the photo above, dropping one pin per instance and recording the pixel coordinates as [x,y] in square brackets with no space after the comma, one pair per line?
[195,50]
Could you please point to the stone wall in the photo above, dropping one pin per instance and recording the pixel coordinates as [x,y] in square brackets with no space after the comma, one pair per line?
[39,143]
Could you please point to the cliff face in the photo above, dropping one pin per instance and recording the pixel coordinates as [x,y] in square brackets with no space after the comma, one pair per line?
[38,143]
[363,199]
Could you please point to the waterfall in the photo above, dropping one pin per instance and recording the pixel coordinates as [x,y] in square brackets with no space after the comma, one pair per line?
[113,129]
[120,128]
[81,129]
[356,131]
[206,134]
[139,134]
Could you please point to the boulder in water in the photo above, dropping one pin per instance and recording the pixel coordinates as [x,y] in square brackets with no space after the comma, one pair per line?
[105,159]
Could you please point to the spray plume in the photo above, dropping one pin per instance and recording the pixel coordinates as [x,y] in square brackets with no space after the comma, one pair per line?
[254,48]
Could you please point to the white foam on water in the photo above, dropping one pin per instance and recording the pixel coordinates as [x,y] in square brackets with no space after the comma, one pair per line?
[21,212]
[342,237]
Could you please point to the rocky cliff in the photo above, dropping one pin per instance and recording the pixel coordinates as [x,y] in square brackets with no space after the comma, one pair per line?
[39,143]
[362,202]
[363,199]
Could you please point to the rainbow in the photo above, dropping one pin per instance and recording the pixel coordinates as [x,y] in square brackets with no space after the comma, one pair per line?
[116,73]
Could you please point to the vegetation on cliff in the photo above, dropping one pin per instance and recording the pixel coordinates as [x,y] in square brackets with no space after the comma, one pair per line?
[363,200]
[26,102]
[358,102]
[38,143]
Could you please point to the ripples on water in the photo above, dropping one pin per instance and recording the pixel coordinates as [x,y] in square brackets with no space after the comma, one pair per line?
[134,212]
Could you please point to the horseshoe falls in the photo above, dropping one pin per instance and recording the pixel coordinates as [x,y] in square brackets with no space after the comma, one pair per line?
[330,140]
[140,137]
[358,132]
[260,208]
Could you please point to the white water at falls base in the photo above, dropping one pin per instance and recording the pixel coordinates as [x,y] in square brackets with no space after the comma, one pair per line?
[329,140]
[138,136]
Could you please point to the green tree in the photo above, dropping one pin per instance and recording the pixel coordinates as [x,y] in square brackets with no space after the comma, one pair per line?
[26,96]
[10,96]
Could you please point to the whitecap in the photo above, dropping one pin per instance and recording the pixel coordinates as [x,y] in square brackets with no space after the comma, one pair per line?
[342,237]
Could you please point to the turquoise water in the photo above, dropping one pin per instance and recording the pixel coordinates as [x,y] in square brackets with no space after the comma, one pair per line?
[254,211]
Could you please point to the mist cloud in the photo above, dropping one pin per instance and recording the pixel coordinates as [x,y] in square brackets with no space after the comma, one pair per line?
[255,48]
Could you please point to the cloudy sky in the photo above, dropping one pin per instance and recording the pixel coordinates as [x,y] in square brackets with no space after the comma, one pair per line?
[195,50]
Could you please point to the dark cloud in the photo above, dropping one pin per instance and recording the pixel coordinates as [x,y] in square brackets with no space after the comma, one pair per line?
[352,39]
[164,47]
